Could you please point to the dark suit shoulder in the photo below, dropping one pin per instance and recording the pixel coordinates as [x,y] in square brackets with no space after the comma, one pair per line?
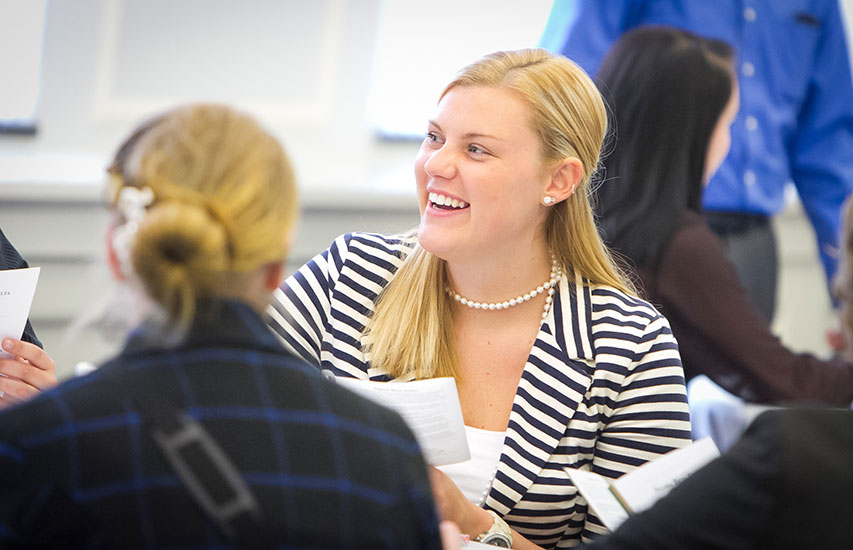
[817,444]
[814,448]
[9,256]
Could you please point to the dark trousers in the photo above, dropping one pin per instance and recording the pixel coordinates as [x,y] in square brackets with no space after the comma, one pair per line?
[750,244]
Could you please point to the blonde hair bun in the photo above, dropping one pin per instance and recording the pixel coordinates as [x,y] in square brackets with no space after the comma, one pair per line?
[179,250]
[222,204]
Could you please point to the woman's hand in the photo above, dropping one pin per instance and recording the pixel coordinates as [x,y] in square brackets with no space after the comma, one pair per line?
[28,373]
[453,506]
[451,538]
[470,518]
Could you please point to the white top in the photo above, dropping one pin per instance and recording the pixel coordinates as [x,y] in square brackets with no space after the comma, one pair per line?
[474,476]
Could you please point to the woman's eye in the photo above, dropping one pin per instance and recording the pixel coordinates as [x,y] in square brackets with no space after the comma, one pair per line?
[432,138]
[476,150]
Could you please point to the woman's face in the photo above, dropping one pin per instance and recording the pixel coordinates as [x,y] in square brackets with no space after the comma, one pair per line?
[480,176]
[721,137]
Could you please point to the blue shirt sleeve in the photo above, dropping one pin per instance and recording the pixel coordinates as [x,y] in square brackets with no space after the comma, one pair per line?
[590,27]
[821,152]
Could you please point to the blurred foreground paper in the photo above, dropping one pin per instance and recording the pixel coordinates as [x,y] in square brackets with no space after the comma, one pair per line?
[430,408]
[613,500]
[17,287]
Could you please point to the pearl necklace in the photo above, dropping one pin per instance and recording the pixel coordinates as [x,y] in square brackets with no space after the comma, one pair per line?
[488,488]
[549,285]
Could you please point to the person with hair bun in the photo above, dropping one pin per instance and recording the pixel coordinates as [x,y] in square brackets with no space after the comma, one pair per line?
[507,287]
[204,432]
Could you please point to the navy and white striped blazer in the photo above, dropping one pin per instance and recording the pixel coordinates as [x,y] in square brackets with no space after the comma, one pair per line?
[603,388]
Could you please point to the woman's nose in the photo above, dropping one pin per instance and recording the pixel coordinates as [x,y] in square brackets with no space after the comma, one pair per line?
[440,164]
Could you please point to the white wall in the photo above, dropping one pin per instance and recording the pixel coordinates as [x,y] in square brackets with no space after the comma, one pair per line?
[306,69]
[302,67]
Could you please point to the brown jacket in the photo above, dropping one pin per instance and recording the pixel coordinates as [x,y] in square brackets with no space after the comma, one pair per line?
[721,335]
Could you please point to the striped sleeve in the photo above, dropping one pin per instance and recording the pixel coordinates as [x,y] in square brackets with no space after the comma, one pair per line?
[645,399]
[300,308]
[321,311]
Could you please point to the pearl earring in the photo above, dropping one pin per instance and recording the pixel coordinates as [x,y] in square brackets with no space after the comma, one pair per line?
[548,200]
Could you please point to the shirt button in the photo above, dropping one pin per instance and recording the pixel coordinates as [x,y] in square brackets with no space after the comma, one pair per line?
[749,14]
[749,178]
[751,123]
[748,69]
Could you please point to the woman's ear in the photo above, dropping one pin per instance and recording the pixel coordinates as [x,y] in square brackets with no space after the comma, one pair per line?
[273,275]
[565,179]
[112,258]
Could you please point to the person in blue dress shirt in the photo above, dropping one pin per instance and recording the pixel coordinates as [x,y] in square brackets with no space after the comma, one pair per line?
[795,122]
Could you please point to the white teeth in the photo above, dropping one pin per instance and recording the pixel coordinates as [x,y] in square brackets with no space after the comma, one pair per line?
[442,200]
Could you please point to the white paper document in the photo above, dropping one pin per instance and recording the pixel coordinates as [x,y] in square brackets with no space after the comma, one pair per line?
[430,408]
[17,288]
[595,489]
[613,500]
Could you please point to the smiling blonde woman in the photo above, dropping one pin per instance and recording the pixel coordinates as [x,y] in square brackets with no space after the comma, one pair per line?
[507,287]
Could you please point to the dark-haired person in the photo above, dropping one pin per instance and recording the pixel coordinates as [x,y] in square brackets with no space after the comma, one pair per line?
[204,432]
[785,484]
[795,122]
[31,370]
[673,96]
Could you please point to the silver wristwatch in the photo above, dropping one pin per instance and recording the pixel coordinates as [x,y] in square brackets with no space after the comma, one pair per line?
[498,534]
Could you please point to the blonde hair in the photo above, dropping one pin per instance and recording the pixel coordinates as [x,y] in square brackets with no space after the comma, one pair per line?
[411,331]
[224,202]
